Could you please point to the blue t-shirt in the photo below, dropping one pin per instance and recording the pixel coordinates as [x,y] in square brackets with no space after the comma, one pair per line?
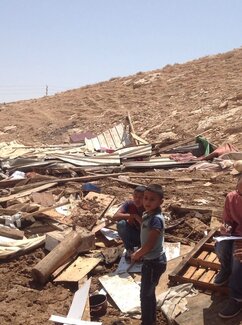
[154,220]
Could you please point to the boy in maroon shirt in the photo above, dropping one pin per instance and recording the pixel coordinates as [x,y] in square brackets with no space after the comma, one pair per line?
[228,252]
[128,219]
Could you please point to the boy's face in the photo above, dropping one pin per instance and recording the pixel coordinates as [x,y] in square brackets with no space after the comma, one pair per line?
[151,201]
[138,199]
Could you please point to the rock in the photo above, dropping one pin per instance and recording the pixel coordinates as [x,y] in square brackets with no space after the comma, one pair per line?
[238,166]
[224,104]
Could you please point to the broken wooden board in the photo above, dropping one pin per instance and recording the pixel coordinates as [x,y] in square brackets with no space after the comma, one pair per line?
[203,309]
[199,267]
[102,200]
[124,291]
[45,199]
[79,301]
[27,192]
[86,313]
[11,232]
[78,269]
[91,209]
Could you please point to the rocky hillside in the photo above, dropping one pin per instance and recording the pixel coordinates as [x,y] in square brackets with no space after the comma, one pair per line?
[173,103]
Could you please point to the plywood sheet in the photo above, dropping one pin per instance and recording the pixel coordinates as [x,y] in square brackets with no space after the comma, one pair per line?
[78,269]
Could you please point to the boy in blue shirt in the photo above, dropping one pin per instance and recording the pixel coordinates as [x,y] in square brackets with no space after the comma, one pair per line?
[151,251]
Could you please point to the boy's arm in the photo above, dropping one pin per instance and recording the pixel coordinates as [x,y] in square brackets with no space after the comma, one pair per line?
[226,227]
[154,234]
[122,213]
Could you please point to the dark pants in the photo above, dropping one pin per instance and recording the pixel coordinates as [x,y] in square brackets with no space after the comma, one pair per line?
[129,234]
[150,275]
[231,266]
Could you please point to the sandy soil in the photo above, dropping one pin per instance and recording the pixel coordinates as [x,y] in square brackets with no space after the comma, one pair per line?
[22,302]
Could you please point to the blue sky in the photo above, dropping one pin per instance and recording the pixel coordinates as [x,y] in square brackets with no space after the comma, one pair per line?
[66,44]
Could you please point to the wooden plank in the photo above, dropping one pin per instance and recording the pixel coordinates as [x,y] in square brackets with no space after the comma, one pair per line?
[208,276]
[169,178]
[216,261]
[27,192]
[190,271]
[78,269]
[139,139]
[197,262]
[7,183]
[203,255]
[11,232]
[79,301]
[197,275]
[211,257]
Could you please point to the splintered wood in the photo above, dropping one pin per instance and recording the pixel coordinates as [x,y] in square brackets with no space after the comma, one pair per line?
[199,267]
[91,209]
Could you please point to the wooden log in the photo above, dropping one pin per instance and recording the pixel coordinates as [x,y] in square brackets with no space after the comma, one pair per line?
[11,232]
[74,242]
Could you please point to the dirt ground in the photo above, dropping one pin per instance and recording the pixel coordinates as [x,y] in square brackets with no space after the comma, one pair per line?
[174,103]
[22,302]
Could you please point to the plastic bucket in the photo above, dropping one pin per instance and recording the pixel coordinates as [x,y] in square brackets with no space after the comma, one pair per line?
[98,305]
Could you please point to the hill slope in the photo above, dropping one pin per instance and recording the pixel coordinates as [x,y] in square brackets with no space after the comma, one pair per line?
[175,102]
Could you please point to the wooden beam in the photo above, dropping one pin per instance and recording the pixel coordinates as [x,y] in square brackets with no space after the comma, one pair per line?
[74,242]
[28,192]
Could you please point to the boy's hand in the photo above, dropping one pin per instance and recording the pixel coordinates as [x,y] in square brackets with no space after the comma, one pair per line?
[225,229]
[132,219]
[136,256]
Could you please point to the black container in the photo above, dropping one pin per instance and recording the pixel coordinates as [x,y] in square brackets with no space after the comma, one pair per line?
[98,305]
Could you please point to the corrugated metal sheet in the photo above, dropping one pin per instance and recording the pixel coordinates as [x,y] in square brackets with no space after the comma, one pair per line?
[114,138]
[138,151]
[156,163]
[100,160]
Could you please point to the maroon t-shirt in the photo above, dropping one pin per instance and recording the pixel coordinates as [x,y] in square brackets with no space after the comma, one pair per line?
[131,208]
